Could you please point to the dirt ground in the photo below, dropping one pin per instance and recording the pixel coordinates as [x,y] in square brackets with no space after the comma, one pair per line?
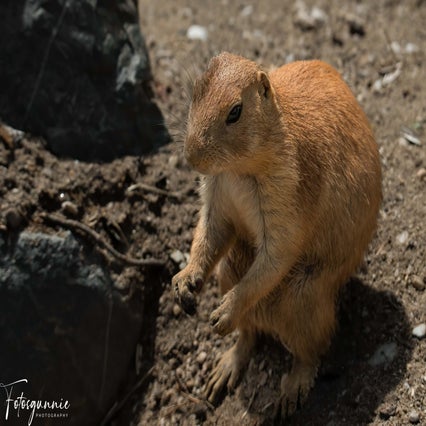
[375,370]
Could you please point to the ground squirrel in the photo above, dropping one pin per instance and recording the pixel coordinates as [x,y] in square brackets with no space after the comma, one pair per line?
[290,197]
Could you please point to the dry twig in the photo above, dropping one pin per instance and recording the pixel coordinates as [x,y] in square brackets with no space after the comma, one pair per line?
[153,189]
[249,404]
[75,225]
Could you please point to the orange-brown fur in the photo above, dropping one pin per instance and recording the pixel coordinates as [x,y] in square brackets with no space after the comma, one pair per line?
[290,198]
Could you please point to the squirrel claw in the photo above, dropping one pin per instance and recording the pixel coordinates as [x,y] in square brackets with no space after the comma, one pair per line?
[221,319]
[185,286]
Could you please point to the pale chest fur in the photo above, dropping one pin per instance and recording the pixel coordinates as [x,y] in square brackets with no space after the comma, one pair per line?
[240,202]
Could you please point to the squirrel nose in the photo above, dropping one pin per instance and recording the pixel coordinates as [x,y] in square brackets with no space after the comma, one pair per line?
[192,150]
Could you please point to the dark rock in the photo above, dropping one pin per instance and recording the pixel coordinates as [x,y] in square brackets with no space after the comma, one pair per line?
[63,327]
[77,73]
[13,218]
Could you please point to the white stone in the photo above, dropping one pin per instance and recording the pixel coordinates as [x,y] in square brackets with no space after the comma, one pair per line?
[419,331]
[247,11]
[177,256]
[197,32]
[318,15]
[402,237]
[411,48]
[414,417]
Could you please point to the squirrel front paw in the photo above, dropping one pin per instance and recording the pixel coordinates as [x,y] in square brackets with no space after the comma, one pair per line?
[185,285]
[222,318]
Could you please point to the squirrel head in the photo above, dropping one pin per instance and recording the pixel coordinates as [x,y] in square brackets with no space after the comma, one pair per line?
[230,112]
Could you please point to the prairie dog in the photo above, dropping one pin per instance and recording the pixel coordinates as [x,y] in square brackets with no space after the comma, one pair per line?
[290,199]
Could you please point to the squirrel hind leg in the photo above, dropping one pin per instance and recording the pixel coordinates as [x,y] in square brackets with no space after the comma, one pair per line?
[232,363]
[310,321]
[295,387]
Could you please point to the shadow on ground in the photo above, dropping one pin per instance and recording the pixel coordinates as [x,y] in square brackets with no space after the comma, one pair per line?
[367,359]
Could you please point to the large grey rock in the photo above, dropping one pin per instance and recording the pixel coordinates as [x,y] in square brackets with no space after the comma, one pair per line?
[77,72]
[63,327]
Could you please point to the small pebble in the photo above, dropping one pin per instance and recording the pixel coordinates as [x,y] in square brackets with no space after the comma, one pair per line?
[411,48]
[402,238]
[173,362]
[396,47]
[190,384]
[69,208]
[179,372]
[417,283]
[177,256]
[193,369]
[13,219]
[186,12]
[156,391]
[247,11]
[307,19]
[197,32]
[318,15]
[421,173]
[202,356]
[419,331]
[377,87]
[414,417]
[176,310]
[387,411]
[167,395]
[173,161]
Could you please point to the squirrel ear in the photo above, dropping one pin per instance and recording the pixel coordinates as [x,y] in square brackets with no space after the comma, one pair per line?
[265,84]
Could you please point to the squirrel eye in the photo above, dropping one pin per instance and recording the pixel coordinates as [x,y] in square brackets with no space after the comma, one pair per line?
[234,114]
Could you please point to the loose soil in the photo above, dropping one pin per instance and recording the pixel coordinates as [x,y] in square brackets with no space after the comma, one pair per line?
[380,48]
